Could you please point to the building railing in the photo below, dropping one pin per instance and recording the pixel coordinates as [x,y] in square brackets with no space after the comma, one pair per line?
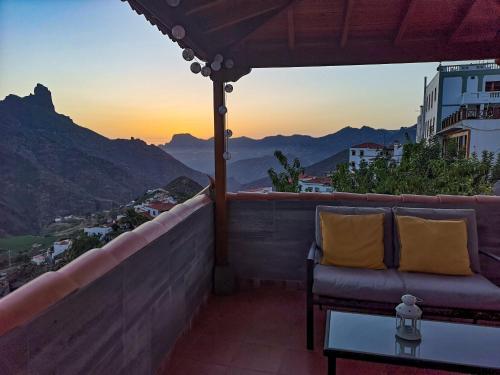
[481,97]
[466,67]
[470,114]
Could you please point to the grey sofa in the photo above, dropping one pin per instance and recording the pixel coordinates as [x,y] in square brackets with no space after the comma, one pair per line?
[379,291]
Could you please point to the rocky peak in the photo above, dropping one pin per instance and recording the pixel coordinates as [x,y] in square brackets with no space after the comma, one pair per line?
[41,97]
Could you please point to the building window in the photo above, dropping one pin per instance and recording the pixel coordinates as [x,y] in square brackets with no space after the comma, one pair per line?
[361,152]
[435,93]
[353,152]
[492,86]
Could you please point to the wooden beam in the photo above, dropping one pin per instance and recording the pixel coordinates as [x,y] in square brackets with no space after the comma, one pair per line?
[246,17]
[291,29]
[345,27]
[221,248]
[463,20]
[249,34]
[201,8]
[405,21]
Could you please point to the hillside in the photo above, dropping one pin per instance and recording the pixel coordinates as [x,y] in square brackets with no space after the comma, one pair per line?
[52,166]
[258,153]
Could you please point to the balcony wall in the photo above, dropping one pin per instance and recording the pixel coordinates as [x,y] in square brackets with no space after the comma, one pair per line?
[115,310]
[270,234]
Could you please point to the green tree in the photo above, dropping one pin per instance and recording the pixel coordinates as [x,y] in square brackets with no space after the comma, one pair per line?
[288,180]
[133,219]
[425,168]
[81,245]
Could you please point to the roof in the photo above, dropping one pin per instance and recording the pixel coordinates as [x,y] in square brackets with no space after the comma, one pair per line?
[289,33]
[161,206]
[371,145]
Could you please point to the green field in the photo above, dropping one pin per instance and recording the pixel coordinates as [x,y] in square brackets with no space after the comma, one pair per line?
[20,243]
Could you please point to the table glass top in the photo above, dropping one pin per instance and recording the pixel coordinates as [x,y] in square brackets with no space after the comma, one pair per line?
[444,342]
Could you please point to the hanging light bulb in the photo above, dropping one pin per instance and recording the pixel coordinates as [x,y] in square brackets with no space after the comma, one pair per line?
[188,54]
[206,71]
[222,110]
[218,58]
[229,133]
[216,66]
[195,67]
[178,32]
[229,63]
[228,88]
[226,155]
[173,3]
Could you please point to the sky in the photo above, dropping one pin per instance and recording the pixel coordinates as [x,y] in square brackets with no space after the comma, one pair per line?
[113,72]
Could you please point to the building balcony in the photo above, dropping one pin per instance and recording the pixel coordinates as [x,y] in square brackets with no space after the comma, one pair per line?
[470,114]
[143,303]
[484,97]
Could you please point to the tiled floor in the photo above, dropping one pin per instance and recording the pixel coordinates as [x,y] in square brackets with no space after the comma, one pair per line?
[258,332]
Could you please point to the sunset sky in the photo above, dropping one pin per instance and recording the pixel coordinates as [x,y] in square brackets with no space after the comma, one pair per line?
[111,71]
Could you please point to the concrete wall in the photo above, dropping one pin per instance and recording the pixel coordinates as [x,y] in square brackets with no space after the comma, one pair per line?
[127,320]
[269,238]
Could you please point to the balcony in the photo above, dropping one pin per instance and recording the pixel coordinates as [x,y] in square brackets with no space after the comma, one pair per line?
[470,114]
[143,303]
[492,97]
[467,67]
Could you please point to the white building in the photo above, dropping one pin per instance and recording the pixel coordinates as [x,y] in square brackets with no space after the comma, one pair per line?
[462,102]
[39,259]
[315,184]
[364,151]
[97,231]
[60,247]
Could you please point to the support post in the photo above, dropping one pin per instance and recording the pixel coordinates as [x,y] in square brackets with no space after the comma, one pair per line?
[224,277]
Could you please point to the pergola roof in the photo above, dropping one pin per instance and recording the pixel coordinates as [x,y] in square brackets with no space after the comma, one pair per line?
[290,33]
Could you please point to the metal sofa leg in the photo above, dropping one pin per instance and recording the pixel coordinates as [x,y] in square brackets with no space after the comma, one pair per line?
[310,321]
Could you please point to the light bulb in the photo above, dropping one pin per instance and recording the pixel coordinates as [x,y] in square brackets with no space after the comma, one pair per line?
[218,58]
[229,133]
[222,110]
[215,66]
[173,3]
[188,54]
[206,71]
[229,63]
[178,32]
[226,155]
[228,88]
[195,67]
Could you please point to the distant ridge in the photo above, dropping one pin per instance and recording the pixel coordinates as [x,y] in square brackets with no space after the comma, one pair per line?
[50,166]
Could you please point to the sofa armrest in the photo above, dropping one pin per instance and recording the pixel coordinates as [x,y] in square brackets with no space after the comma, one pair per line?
[314,254]
[490,255]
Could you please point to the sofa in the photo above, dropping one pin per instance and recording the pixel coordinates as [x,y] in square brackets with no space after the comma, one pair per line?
[473,297]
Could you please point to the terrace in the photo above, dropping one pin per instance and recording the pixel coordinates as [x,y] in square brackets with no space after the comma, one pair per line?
[216,285]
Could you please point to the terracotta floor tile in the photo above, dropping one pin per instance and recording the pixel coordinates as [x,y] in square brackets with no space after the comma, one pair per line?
[242,371]
[258,357]
[302,362]
[186,366]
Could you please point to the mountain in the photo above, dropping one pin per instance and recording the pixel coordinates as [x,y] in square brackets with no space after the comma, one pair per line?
[198,153]
[183,188]
[327,165]
[52,166]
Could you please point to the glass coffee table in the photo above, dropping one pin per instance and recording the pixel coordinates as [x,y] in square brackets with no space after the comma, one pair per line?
[444,346]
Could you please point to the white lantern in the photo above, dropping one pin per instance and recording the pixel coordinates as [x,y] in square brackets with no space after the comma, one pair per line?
[226,155]
[407,348]
[206,71]
[228,88]
[229,63]
[215,66]
[195,67]
[173,3]
[408,318]
[178,32]
[222,110]
[188,54]
[218,58]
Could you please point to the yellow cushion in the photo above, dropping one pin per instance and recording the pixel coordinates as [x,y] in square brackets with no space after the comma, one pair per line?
[353,240]
[433,246]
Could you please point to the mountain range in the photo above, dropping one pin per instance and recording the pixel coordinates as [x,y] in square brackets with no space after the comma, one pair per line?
[251,158]
[51,166]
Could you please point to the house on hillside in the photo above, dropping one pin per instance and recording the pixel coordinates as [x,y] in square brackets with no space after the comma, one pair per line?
[97,231]
[60,247]
[462,103]
[155,208]
[369,151]
[316,184]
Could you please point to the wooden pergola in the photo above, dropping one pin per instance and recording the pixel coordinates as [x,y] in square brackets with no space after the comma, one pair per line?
[299,33]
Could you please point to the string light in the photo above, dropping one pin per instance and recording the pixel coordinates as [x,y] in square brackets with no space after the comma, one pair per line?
[173,3]
[188,54]
[195,67]
[206,71]
[178,32]
[228,88]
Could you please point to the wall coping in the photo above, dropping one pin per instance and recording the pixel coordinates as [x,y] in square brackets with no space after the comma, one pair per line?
[369,197]
[30,300]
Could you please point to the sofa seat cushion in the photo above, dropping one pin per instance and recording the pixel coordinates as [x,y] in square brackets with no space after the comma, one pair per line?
[467,292]
[358,283]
